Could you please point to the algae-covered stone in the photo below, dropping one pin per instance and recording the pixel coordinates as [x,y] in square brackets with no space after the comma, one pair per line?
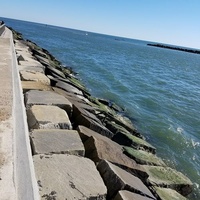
[128,139]
[143,157]
[48,141]
[68,177]
[47,117]
[117,179]
[116,128]
[168,194]
[170,178]
[126,195]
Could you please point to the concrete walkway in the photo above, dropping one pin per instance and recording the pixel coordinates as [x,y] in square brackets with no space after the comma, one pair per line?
[17,178]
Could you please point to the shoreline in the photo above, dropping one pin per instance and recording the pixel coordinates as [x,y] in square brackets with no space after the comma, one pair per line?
[103,118]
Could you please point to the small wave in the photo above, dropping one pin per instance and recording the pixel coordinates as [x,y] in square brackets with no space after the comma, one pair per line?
[195,144]
[180,130]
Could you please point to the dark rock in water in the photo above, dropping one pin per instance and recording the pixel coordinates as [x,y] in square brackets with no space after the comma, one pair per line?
[143,157]
[167,194]
[126,139]
[168,178]
[110,104]
[116,128]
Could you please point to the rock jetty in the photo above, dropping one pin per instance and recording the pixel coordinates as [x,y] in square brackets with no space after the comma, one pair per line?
[175,48]
[82,148]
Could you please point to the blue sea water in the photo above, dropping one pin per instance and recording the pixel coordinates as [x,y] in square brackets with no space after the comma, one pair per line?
[158,88]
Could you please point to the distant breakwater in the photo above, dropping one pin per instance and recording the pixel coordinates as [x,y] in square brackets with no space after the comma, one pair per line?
[175,48]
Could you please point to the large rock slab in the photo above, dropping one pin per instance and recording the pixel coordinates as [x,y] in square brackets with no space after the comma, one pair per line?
[34,76]
[70,96]
[126,195]
[47,117]
[117,179]
[98,147]
[68,87]
[128,139]
[36,97]
[68,177]
[31,68]
[170,178]
[80,107]
[83,109]
[143,157]
[54,72]
[50,141]
[168,194]
[92,123]
[29,62]
[32,85]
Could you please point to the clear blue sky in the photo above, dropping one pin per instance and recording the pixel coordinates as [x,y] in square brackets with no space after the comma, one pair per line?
[168,21]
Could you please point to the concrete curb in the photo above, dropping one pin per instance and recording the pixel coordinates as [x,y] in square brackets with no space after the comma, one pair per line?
[25,181]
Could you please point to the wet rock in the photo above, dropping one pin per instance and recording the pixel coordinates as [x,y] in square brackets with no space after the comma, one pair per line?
[47,117]
[170,178]
[36,97]
[168,194]
[117,179]
[126,195]
[143,157]
[128,139]
[116,128]
[50,141]
[68,177]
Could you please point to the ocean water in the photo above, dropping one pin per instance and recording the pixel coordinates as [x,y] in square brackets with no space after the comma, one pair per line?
[158,88]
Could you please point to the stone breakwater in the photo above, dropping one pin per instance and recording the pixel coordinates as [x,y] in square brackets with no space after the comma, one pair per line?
[175,48]
[82,148]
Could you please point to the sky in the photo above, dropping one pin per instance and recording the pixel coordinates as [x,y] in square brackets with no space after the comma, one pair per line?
[174,22]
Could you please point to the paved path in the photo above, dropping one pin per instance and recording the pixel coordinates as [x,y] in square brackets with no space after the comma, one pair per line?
[17,178]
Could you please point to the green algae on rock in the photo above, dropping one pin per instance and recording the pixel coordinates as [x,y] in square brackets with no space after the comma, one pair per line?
[143,157]
[170,178]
